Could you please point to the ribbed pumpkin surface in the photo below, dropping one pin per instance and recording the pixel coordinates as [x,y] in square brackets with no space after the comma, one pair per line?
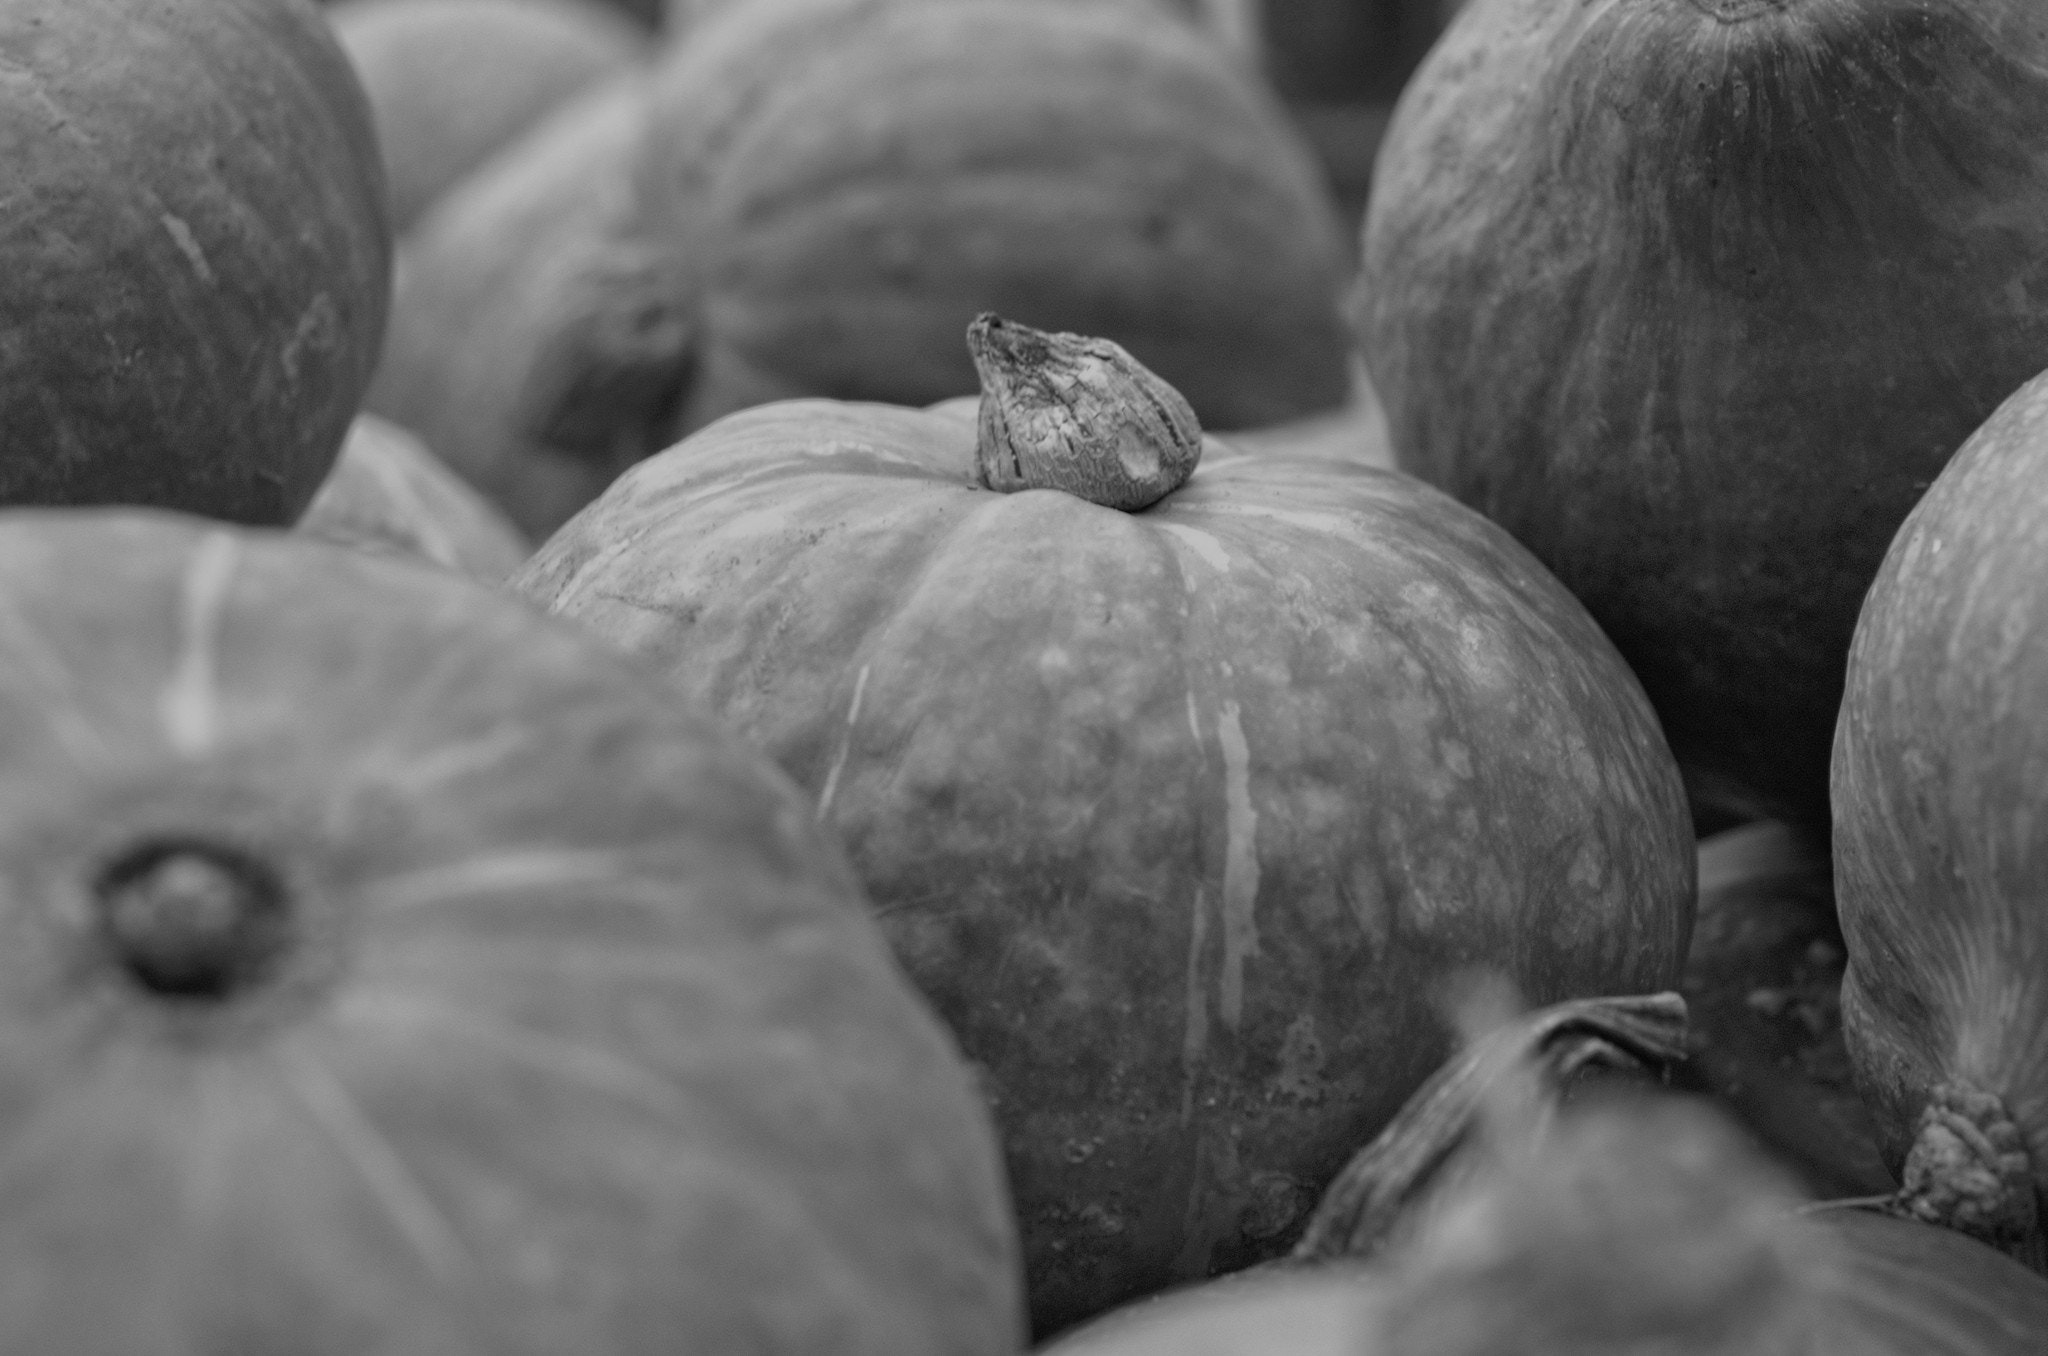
[577,1039]
[1183,817]
[1696,297]
[848,182]
[1940,843]
[194,259]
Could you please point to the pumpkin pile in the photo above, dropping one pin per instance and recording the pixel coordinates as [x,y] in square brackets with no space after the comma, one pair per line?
[845,678]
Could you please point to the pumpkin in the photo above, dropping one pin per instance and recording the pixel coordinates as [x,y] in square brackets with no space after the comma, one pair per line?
[1762,983]
[193,255]
[387,492]
[451,81]
[1696,298]
[844,184]
[647,13]
[1939,847]
[504,290]
[387,968]
[1234,24]
[822,194]
[1178,814]
[1527,1223]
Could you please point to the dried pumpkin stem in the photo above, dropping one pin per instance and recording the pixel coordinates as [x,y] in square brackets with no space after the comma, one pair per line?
[1969,1170]
[1360,1210]
[1067,412]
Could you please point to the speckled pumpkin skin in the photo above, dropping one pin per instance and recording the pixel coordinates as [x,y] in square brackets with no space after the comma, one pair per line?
[1181,818]
[194,259]
[583,1041]
[451,81]
[388,492]
[1696,297]
[847,183]
[1941,807]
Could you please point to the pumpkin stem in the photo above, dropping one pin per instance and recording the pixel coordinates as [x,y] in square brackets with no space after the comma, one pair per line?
[1067,412]
[192,921]
[1969,1170]
[1366,1202]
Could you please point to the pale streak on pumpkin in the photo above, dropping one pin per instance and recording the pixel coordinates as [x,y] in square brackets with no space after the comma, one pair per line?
[188,245]
[499,873]
[453,761]
[575,1064]
[1240,862]
[1194,1044]
[427,527]
[55,691]
[189,706]
[552,956]
[333,1109]
[860,687]
[1202,544]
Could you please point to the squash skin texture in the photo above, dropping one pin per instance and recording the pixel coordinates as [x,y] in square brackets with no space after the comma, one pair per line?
[194,261]
[848,182]
[584,1042]
[1696,299]
[1180,818]
[1940,850]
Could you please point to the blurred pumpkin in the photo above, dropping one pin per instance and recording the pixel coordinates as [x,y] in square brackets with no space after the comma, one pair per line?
[385,968]
[1178,813]
[844,184]
[1941,837]
[818,197]
[194,260]
[1696,297]
[451,81]
[507,288]
[1631,1224]
[387,492]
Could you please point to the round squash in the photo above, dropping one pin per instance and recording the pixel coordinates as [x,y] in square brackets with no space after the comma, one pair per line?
[387,492]
[505,290]
[386,968]
[1696,297]
[1941,837]
[846,183]
[451,81]
[1181,816]
[194,260]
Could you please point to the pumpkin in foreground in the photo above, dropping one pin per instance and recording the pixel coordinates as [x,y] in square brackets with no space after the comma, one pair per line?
[386,968]
[388,492]
[1941,838]
[194,259]
[452,81]
[1696,298]
[1181,813]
